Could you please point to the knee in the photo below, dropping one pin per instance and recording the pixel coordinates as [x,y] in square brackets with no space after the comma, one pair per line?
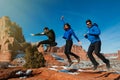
[97,53]
[66,52]
[89,54]
[38,44]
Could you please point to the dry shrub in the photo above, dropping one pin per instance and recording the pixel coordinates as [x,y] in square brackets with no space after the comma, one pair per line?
[33,58]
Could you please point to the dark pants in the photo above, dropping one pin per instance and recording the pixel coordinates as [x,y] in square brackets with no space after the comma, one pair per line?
[67,50]
[44,42]
[96,47]
[49,43]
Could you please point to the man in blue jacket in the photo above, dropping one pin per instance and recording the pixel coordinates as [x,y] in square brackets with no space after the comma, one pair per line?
[69,42]
[93,36]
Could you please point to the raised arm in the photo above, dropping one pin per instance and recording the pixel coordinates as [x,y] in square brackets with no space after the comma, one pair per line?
[62,20]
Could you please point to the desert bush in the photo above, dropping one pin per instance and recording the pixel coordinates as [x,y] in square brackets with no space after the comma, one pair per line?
[33,58]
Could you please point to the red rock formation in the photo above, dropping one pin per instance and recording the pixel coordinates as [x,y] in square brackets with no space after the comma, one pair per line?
[79,51]
[11,39]
[118,54]
[76,49]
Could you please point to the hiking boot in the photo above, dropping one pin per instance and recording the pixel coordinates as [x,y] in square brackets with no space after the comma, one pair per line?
[70,63]
[95,66]
[45,50]
[78,59]
[108,65]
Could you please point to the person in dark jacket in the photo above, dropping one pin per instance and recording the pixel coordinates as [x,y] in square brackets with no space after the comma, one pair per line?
[51,37]
[69,42]
[93,36]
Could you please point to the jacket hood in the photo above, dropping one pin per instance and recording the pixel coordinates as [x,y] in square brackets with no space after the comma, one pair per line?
[95,24]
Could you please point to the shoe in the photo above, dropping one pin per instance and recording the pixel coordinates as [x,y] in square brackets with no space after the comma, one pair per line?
[95,66]
[45,50]
[78,59]
[70,63]
[108,65]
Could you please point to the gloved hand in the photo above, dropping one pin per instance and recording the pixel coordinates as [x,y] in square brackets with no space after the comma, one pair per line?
[80,43]
[85,35]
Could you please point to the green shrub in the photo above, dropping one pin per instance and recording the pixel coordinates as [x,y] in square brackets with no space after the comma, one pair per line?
[33,58]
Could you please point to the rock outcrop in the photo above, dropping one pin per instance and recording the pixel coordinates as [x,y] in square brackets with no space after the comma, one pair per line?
[118,54]
[75,49]
[82,53]
[11,39]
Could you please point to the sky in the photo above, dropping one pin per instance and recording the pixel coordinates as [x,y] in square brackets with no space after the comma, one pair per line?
[34,15]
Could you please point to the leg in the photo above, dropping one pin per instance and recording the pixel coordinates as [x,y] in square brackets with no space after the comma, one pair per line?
[76,56]
[53,44]
[48,48]
[44,42]
[91,57]
[67,51]
[71,53]
[97,52]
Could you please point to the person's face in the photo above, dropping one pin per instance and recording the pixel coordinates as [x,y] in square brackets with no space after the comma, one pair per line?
[89,24]
[66,27]
[46,30]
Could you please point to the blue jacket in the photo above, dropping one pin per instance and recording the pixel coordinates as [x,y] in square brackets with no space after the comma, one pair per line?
[93,33]
[68,35]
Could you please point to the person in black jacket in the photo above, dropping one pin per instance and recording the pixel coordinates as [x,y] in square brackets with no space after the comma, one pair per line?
[51,37]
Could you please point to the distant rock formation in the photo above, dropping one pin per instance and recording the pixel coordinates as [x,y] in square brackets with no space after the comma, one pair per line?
[118,54]
[82,53]
[11,39]
[75,48]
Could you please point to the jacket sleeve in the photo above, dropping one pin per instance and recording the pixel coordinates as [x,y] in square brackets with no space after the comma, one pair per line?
[63,21]
[94,31]
[75,36]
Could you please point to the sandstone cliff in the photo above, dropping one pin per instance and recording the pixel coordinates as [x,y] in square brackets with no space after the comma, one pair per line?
[11,39]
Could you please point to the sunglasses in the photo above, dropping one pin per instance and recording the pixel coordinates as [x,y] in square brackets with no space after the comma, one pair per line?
[88,23]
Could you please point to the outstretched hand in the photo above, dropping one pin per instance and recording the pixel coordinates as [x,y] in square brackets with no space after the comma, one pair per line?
[32,34]
[79,43]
